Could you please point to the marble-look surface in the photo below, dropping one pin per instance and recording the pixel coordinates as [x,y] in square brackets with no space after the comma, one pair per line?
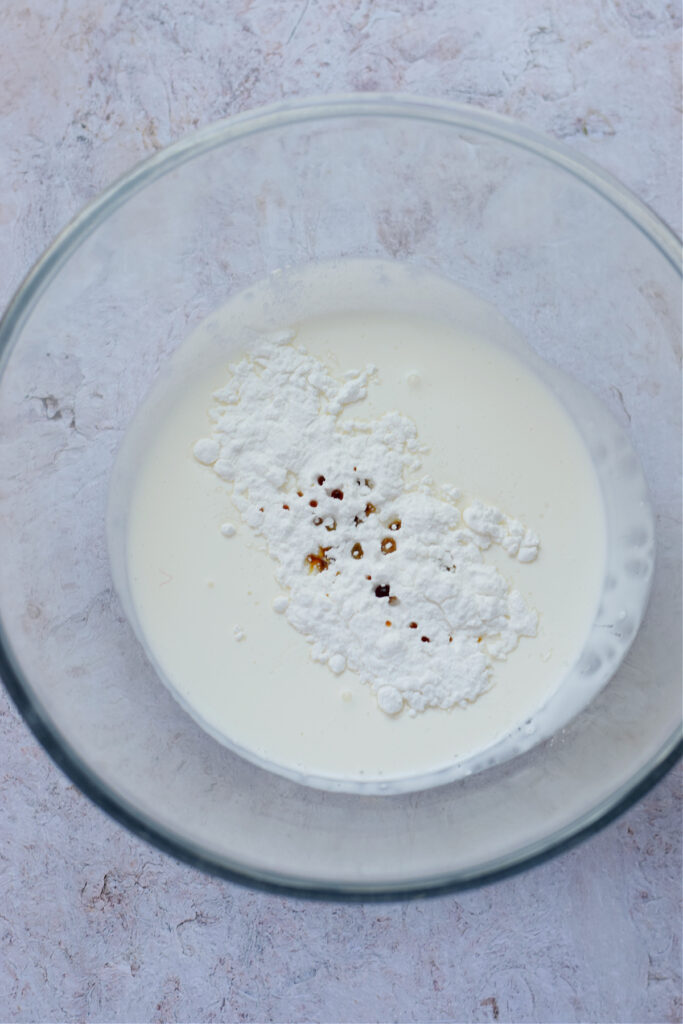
[97,926]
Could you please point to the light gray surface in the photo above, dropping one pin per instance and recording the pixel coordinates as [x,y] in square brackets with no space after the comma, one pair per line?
[97,926]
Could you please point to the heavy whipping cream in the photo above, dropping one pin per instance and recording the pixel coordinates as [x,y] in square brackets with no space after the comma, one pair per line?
[468,497]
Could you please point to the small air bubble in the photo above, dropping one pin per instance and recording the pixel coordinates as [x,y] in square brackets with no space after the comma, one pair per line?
[589,664]
[637,537]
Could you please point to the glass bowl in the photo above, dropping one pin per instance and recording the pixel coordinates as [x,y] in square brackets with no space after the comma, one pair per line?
[582,269]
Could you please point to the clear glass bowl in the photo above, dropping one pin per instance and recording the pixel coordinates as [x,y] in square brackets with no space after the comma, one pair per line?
[587,274]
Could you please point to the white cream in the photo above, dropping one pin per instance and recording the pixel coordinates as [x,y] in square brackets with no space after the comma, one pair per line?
[492,429]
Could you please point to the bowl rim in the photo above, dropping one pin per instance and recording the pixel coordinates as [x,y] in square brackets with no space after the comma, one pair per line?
[263,119]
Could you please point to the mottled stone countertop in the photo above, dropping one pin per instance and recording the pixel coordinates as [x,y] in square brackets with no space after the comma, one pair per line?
[97,926]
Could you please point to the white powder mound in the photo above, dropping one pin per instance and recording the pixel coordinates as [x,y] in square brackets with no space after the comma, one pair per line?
[382,573]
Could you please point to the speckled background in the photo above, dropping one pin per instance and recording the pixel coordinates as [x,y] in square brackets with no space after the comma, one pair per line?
[97,926]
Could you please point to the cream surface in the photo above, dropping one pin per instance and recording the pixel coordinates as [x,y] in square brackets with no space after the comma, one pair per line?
[492,428]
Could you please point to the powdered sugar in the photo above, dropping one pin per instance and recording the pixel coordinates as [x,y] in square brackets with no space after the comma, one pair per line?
[492,526]
[382,572]
[206,451]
